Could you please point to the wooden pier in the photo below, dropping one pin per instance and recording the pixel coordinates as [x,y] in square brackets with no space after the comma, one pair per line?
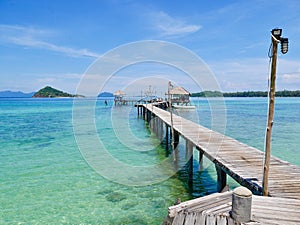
[125,101]
[216,209]
[231,157]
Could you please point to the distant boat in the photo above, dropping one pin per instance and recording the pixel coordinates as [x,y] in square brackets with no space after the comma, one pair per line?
[184,106]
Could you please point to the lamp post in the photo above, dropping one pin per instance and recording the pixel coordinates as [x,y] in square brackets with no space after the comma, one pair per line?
[171,115]
[276,38]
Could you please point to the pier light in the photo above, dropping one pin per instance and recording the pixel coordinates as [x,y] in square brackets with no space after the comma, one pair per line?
[276,38]
[284,45]
[277,33]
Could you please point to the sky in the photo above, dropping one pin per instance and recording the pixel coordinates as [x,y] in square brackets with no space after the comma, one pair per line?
[57,42]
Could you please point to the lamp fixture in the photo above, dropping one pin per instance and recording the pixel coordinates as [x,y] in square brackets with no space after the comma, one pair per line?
[277,33]
[284,45]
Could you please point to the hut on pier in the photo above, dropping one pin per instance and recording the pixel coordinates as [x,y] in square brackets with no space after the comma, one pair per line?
[180,97]
[119,97]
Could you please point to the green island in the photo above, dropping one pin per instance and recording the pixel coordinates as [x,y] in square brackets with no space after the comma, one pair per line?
[284,93]
[50,92]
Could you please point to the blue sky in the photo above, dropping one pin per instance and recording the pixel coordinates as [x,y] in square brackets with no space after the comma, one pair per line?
[55,42]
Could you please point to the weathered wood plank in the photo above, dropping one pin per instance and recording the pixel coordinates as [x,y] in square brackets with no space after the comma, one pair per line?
[210,220]
[179,219]
[190,218]
[221,220]
[196,204]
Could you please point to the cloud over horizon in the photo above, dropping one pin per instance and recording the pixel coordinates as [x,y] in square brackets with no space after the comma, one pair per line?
[32,37]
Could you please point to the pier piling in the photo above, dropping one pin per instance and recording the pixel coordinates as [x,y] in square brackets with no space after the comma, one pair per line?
[190,158]
[221,178]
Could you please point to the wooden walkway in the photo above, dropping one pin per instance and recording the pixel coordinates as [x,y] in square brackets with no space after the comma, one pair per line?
[215,209]
[238,160]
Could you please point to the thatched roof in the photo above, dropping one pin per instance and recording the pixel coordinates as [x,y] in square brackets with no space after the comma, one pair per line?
[119,93]
[179,91]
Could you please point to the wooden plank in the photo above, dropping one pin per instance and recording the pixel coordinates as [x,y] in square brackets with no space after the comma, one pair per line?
[190,218]
[211,220]
[179,219]
[200,218]
[221,220]
[216,204]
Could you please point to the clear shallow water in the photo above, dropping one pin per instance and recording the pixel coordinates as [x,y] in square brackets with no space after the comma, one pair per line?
[45,180]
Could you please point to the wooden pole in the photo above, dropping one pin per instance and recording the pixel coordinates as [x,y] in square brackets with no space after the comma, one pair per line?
[161,129]
[171,114]
[189,150]
[200,160]
[167,136]
[221,178]
[270,118]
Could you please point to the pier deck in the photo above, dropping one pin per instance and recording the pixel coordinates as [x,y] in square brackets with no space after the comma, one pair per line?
[240,161]
[215,209]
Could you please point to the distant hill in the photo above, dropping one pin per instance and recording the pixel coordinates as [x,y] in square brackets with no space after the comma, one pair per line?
[15,94]
[50,92]
[106,94]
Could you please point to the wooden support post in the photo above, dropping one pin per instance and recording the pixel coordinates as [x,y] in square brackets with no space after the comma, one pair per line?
[221,178]
[154,123]
[167,136]
[148,116]
[161,129]
[176,139]
[189,150]
[151,121]
[200,160]
[157,126]
[175,145]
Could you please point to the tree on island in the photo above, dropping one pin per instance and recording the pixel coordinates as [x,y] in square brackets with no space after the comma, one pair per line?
[49,92]
[284,93]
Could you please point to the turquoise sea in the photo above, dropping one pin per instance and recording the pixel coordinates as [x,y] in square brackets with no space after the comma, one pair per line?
[44,179]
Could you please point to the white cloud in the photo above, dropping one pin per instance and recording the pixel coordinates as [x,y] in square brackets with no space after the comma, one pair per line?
[291,78]
[252,74]
[31,37]
[241,74]
[171,27]
[34,81]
